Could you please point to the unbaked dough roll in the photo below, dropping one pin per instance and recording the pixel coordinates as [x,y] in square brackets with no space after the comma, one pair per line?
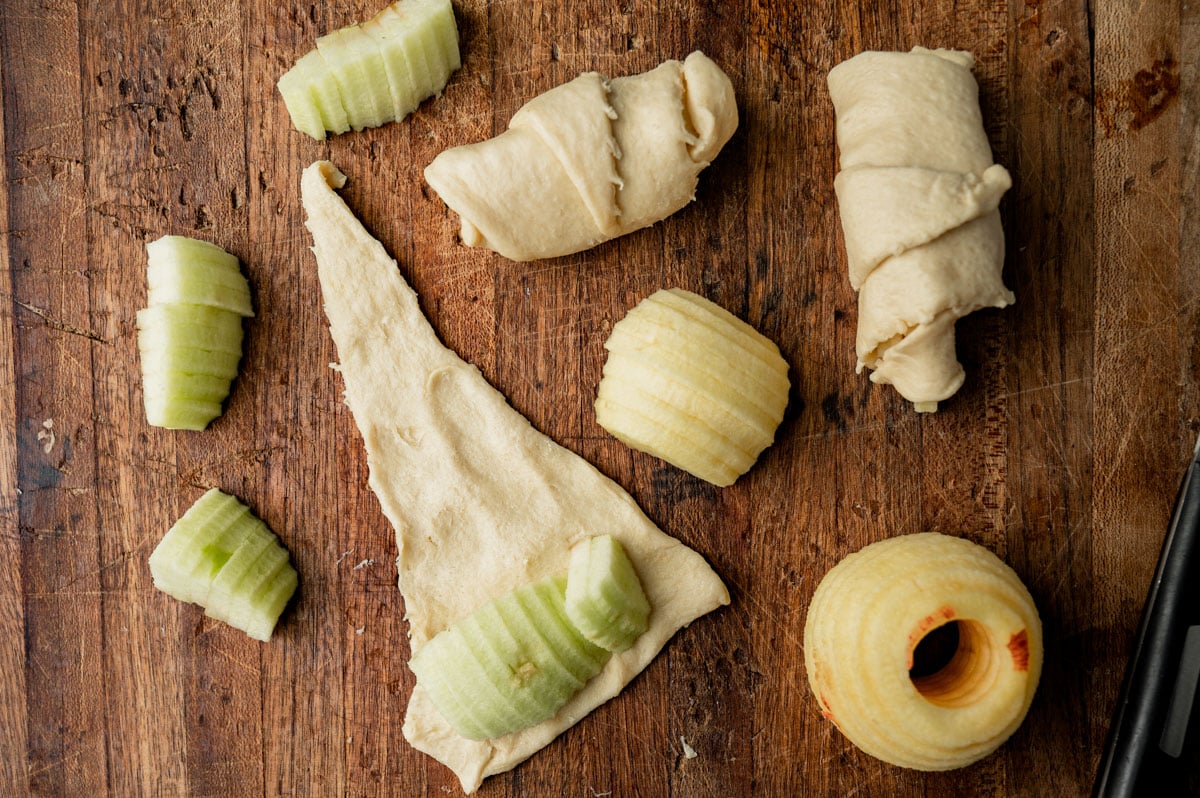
[862,638]
[918,196]
[590,160]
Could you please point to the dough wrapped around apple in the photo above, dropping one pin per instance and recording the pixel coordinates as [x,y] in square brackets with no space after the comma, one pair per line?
[918,194]
[590,160]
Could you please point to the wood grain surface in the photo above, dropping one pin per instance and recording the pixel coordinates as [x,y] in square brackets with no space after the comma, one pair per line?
[124,121]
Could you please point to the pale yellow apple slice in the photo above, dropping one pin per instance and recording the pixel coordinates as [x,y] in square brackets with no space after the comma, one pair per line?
[689,382]
[481,501]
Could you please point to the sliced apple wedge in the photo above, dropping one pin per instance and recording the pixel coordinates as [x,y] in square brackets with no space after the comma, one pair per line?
[222,557]
[190,336]
[604,599]
[373,73]
[691,383]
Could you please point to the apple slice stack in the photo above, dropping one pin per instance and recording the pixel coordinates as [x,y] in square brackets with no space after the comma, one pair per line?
[691,383]
[515,661]
[190,336]
[377,72]
[222,557]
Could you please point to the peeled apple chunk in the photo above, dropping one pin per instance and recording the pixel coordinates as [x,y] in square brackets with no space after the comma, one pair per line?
[190,336]
[604,598]
[692,384]
[482,503]
[589,160]
[863,641]
[918,195]
[220,556]
[376,72]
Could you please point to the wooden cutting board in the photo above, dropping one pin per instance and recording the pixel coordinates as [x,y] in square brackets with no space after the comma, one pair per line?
[124,121]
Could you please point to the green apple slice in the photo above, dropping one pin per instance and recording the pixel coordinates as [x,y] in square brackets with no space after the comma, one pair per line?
[175,557]
[181,555]
[162,356]
[411,23]
[400,64]
[200,326]
[297,86]
[510,664]
[167,385]
[605,600]
[345,51]
[310,82]
[175,413]
[222,557]
[190,250]
[197,283]
[264,608]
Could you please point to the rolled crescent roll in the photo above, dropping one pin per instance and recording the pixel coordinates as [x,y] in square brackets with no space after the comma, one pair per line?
[590,160]
[918,195]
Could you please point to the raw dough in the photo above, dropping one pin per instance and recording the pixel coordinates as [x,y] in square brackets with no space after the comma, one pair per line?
[918,196]
[480,500]
[590,160]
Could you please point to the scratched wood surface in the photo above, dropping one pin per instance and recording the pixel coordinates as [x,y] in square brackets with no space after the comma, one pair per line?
[125,120]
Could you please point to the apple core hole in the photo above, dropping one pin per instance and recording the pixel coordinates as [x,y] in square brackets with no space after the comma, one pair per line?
[956,664]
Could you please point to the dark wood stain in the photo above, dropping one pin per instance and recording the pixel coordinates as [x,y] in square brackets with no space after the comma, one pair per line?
[1141,99]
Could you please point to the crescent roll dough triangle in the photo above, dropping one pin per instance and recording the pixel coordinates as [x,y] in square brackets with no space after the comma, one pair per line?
[481,501]
[918,197]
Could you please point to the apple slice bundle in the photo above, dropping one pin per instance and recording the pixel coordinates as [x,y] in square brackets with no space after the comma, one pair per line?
[190,336]
[222,557]
[515,661]
[377,72]
[689,382]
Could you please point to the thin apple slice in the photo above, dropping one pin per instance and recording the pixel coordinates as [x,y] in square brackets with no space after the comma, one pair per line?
[691,383]
[398,62]
[199,283]
[604,599]
[311,80]
[168,385]
[414,23]
[216,534]
[221,600]
[167,356]
[642,420]
[346,51]
[265,609]
[190,250]
[298,87]
[176,413]
[199,326]
[663,334]
[513,662]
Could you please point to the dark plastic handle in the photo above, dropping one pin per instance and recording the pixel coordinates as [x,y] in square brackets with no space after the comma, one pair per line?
[1157,700]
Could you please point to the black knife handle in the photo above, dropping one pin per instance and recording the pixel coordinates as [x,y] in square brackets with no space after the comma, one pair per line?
[1146,727]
